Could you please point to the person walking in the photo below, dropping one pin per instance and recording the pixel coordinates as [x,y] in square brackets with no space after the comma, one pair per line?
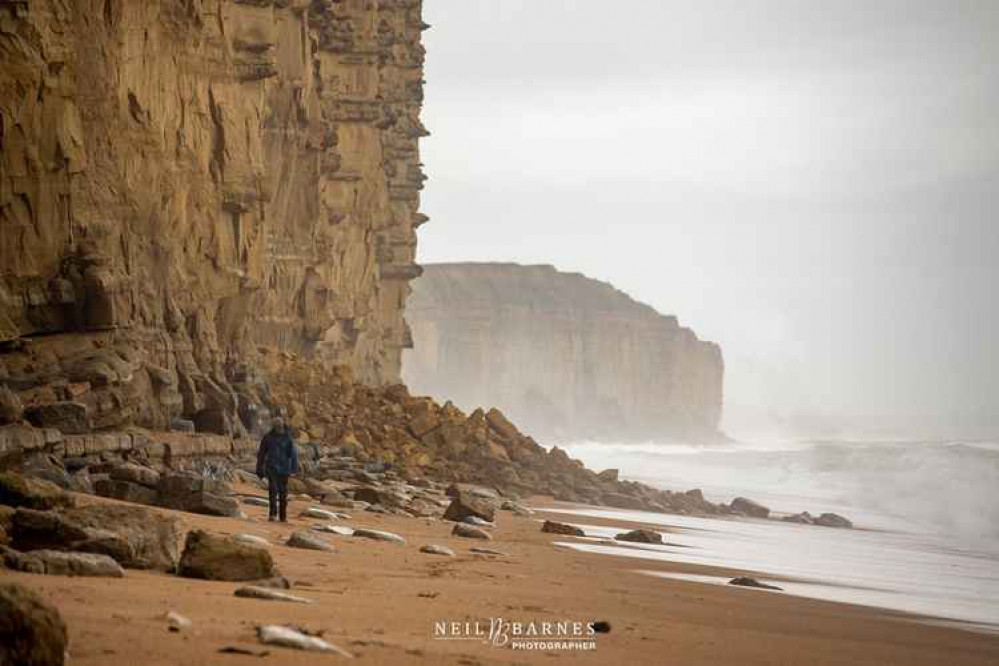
[277,459]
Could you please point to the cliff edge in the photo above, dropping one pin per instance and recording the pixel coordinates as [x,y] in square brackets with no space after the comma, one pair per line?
[562,354]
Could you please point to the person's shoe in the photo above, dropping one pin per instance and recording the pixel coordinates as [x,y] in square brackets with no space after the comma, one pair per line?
[271,518]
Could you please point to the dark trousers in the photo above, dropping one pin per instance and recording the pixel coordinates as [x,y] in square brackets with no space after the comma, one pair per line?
[277,494]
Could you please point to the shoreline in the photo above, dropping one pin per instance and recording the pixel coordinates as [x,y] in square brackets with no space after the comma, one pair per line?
[380,601]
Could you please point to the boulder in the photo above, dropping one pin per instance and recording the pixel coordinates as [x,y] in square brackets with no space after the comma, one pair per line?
[133,473]
[746,581]
[22,491]
[640,536]
[833,520]
[59,563]
[126,491]
[466,504]
[196,494]
[553,527]
[748,507]
[32,632]
[469,532]
[803,518]
[135,537]
[215,557]
[308,542]
[71,418]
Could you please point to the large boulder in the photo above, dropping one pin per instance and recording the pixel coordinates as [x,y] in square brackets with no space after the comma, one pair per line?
[59,563]
[748,507]
[23,491]
[465,504]
[216,557]
[833,520]
[553,527]
[126,491]
[135,537]
[196,494]
[32,632]
[640,536]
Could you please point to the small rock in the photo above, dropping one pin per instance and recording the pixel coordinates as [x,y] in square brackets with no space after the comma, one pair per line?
[434,549]
[486,551]
[640,536]
[516,509]
[601,627]
[256,501]
[273,634]
[553,527]
[477,522]
[833,520]
[803,518]
[308,542]
[32,632]
[469,532]
[333,529]
[746,581]
[176,621]
[268,594]
[319,514]
[378,535]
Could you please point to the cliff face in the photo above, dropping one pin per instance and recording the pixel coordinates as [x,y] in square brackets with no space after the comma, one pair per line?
[183,181]
[561,354]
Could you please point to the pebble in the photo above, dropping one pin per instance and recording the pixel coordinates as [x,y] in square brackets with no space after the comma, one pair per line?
[378,535]
[308,542]
[319,514]
[176,621]
[255,501]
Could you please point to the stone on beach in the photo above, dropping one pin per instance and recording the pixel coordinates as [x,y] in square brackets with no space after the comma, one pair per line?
[252,540]
[553,527]
[216,557]
[746,581]
[176,621]
[749,508]
[32,632]
[60,563]
[833,520]
[475,521]
[469,532]
[308,541]
[486,551]
[434,549]
[640,536]
[378,535]
[256,501]
[268,594]
[465,504]
[273,634]
[319,514]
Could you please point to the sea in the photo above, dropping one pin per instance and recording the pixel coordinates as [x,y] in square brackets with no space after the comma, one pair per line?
[925,513]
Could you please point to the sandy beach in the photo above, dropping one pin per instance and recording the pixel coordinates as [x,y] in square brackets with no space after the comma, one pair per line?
[381,601]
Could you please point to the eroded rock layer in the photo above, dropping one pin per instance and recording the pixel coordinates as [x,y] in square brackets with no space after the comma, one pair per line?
[184,181]
[562,354]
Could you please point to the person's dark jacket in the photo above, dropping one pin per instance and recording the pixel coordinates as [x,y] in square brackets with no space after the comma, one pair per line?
[277,454]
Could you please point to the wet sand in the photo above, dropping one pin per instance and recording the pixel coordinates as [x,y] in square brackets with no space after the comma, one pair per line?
[380,601]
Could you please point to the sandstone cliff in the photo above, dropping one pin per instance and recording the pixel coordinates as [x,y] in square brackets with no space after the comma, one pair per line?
[185,181]
[562,354]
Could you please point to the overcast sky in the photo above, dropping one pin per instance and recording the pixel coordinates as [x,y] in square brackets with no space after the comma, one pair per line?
[812,184]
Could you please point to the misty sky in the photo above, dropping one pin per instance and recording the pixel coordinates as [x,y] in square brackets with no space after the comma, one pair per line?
[812,184]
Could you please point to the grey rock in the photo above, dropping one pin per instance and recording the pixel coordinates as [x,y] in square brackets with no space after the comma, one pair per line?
[554,527]
[833,520]
[485,551]
[59,563]
[272,634]
[746,581]
[434,549]
[465,504]
[308,542]
[469,532]
[378,535]
[256,501]
[749,508]
[640,536]
[252,540]
[319,514]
